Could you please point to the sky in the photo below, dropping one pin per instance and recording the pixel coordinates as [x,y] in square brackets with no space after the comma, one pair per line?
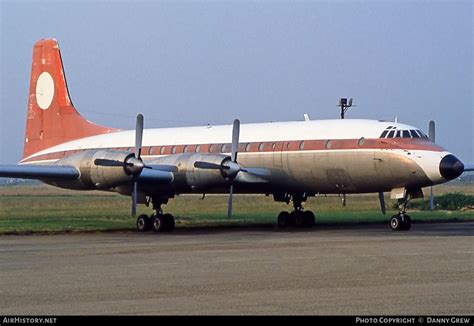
[184,63]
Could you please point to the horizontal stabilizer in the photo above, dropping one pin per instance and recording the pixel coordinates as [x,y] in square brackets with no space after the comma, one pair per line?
[40,172]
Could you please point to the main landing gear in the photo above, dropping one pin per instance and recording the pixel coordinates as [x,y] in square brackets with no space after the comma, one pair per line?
[158,222]
[401,221]
[297,217]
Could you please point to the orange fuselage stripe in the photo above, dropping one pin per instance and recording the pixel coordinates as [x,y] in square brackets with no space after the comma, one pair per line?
[261,147]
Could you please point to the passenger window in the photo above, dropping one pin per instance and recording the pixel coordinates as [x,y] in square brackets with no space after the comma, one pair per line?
[261,146]
[302,145]
[247,147]
[214,148]
[384,134]
[185,148]
[173,150]
[198,148]
[226,148]
[162,150]
[391,133]
[361,141]
[414,134]
[328,144]
[150,150]
[406,134]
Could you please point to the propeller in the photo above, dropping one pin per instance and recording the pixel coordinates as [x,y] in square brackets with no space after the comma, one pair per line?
[233,168]
[138,163]
[133,164]
[432,137]
[229,167]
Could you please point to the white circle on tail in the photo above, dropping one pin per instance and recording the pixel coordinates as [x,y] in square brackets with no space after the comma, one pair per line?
[44,90]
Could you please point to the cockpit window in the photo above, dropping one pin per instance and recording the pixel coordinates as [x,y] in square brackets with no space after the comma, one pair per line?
[423,135]
[414,134]
[393,132]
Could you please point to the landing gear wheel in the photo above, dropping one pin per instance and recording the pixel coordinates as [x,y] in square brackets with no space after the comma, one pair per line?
[169,222]
[158,223]
[309,219]
[299,219]
[143,223]
[406,223]
[396,223]
[283,219]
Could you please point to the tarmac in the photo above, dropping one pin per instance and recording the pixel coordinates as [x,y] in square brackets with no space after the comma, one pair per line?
[350,270]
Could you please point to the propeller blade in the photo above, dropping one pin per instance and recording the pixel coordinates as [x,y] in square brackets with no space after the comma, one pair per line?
[134,199]
[468,167]
[138,136]
[229,207]
[106,162]
[432,131]
[207,165]
[261,172]
[162,167]
[382,202]
[431,199]
[235,140]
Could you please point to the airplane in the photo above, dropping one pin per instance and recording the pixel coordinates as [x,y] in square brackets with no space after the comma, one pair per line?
[290,161]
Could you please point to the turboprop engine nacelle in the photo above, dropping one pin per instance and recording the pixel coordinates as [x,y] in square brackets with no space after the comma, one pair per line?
[97,176]
[201,179]
[189,177]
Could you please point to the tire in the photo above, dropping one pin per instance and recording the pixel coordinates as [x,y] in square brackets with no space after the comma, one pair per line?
[406,224]
[396,223]
[158,223]
[299,219]
[283,219]
[309,219]
[143,223]
[169,222]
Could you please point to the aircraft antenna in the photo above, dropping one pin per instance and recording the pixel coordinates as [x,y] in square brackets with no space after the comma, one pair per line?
[345,105]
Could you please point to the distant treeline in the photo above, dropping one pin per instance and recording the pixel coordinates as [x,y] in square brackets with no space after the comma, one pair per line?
[451,201]
[14,182]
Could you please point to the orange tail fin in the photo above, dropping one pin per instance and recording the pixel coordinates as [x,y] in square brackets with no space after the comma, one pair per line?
[52,119]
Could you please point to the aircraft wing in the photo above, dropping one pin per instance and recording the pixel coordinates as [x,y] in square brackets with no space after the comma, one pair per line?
[55,172]
[64,172]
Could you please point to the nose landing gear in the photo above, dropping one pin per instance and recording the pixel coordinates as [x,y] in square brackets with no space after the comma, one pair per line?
[401,221]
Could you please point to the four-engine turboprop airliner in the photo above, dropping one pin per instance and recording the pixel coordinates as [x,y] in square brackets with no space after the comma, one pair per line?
[289,160]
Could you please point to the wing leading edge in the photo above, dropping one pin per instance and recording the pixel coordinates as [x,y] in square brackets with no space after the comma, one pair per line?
[54,172]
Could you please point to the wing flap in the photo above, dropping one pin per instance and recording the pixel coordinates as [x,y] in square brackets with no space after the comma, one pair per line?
[40,172]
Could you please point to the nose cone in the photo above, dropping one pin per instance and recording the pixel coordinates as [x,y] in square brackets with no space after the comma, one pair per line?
[451,167]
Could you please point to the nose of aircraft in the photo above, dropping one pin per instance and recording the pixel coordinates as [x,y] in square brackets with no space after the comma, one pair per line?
[450,167]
